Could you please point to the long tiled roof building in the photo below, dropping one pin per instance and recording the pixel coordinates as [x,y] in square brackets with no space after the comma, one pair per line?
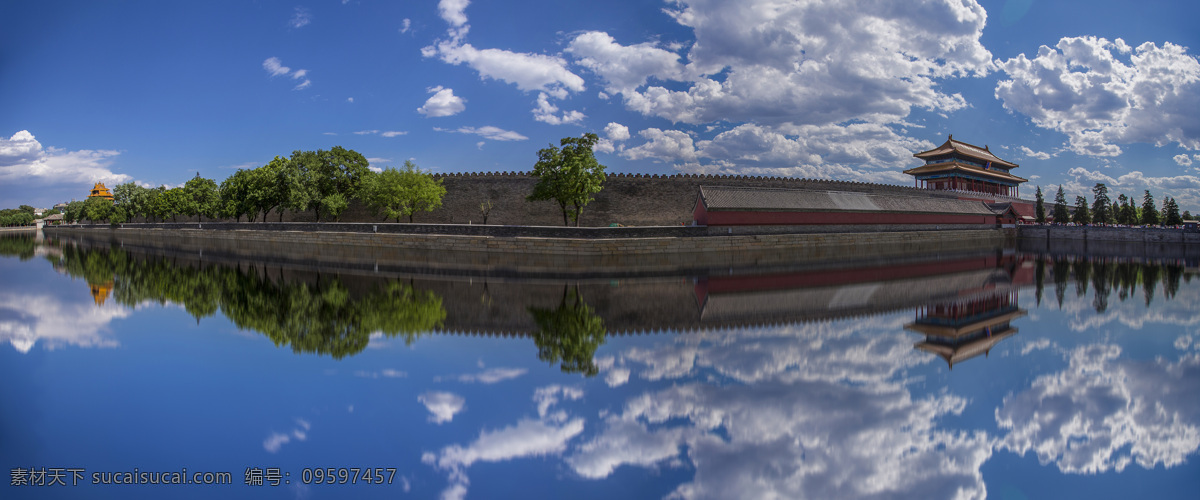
[958,166]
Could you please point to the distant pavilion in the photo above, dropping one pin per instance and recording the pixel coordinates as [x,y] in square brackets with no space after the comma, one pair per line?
[958,166]
[99,191]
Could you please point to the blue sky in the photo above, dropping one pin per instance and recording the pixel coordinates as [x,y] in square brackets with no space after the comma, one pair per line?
[154,92]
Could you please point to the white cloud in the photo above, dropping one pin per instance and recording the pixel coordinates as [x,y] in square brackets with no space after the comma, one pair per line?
[488,132]
[27,319]
[545,112]
[1037,155]
[405,25]
[490,376]
[1103,93]
[818,63]
[1185,189]
[276,440]
[624,68]
[529,72]
[528,438]
[275,67]
[442,405]
[393,133]
[366,132]
[385,373]
[616,132]
[23,159]
[443,102]
[1102,413]
[453,11]
[350,100]
[1183,160]
[301,17]
[548,396]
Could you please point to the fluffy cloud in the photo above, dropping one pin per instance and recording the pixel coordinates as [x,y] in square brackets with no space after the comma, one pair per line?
[1183,160]
[613,133]
[545,112]
[529,72]
[488,132]
[804,411]
[443,102]
[624,68]
[1103,413]
[442,405]
[275,68]
[1102,93]
[861,151]
[23,160]
[1184,188]
[453,11]
[26,319]
[1037,155]
[818,63]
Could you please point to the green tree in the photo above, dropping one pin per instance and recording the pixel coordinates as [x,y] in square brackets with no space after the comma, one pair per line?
[131,198]
[235,200]
[1170,212]
[1039,208]
[1101,205]
[203,197]
[402,193]
[97,209]
[173,203]
[569,176]
[1187,215]
[1149,211]
[1081,216]
[1061,216]
[332,178]
[281,184]
[570,333]
[74,212]
[27,209]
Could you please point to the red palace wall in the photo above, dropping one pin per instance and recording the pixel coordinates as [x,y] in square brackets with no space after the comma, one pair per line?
[746,218]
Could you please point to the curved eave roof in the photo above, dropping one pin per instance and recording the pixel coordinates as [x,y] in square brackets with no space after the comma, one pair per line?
[952,146]
[965,168]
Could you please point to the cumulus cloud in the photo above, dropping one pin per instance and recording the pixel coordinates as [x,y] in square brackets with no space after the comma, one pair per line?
[301,17]
[27,319]
[488,132]
[1184,188]
[529,72]
[275,67]
[442,405]
[548,396]
[818,63]
[453,11]
[24,161]
[614,133]
[1183,160]
[1103,413]
[443,102]
[863,151]
[545,112]
[1103,93]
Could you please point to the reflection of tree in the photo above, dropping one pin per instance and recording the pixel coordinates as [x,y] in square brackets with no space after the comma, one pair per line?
[19,245]
[1108,277]
[322,318]
[570,333]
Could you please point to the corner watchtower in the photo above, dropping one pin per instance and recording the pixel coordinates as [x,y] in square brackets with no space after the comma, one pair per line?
[958,166]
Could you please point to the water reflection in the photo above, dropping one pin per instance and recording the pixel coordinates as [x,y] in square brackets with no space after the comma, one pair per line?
[820,381]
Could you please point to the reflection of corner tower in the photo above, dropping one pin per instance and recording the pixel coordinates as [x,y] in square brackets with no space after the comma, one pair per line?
[100,291]
[99,191]
[965,328]
[958,166]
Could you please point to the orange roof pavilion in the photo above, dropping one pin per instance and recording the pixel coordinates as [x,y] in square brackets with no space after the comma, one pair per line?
[99,191]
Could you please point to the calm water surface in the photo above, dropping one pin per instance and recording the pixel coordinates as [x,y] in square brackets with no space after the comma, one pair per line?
[998,374]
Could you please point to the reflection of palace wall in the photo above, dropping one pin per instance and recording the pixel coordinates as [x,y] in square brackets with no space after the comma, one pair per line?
[555,257]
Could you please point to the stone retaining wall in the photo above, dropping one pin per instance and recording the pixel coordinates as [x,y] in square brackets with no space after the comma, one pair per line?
[1127,234]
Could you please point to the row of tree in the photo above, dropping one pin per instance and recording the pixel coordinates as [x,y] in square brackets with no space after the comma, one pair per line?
[325,182]
[21,216]
[1108,279]
[1105,211]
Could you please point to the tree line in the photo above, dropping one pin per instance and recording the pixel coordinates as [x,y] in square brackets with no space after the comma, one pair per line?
[1103,210]
[20,216]
[321,182]
[326,182]
[1108,279]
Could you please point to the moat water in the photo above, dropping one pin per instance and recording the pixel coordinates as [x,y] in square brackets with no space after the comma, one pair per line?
[997,373]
